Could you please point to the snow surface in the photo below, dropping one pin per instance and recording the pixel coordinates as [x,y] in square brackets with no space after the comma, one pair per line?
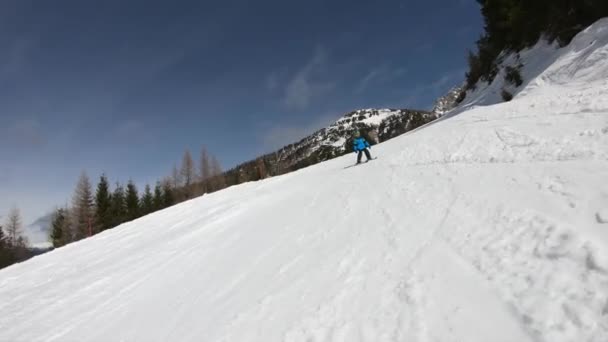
[490,225]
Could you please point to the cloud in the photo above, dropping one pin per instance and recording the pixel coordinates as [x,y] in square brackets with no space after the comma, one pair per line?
[441,82]
[128,128]
[379,75]
[144,130]
[279,135]
[274,79]
[26,133]
[449,79]
[306,84]
[436,88]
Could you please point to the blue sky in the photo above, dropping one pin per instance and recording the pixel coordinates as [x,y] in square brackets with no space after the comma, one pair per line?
[124,87]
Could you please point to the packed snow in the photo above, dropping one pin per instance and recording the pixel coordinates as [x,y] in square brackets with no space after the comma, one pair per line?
[488,225]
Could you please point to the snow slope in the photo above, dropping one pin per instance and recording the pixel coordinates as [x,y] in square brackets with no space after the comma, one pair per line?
[547,64]
[490,225]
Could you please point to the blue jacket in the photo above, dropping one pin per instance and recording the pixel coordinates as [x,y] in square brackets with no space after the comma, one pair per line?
[360,144]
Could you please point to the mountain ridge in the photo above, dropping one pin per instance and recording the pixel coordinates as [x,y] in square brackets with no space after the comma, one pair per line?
[377,125]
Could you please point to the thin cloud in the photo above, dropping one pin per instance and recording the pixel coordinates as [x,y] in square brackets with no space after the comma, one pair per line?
[379,75]
[436,88]
[279,135]
[26,133]
[146,130]
[449,79]
[128,129]
[306,84]
[439,83]
[274,80]
[374,74]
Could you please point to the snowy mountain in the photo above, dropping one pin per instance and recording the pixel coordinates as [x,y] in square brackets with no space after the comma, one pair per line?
[489,224]
[377,124]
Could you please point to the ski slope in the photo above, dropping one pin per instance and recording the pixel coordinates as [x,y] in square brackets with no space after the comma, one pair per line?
[489,225]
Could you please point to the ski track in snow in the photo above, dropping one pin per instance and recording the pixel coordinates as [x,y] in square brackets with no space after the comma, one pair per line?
[490,225]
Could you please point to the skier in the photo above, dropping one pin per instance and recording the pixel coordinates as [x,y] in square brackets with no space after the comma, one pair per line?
[361,145]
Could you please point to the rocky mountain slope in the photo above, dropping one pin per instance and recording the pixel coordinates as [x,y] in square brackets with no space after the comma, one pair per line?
[377,125]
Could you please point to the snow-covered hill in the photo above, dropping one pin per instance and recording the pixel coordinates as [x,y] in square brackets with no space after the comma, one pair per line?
[332,141]
[544,64]
[489,225]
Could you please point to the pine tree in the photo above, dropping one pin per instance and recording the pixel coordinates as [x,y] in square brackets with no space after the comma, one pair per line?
[147,201]
[2,238]
[168,196]
[6,255]
[82,208]
[59,228]
[157,201]
[132,202]
[103,203]
[118,208]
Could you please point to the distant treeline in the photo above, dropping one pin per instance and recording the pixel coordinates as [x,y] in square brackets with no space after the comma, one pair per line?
[92,212]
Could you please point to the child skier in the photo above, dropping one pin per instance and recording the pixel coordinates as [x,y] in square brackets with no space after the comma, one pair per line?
[361,145]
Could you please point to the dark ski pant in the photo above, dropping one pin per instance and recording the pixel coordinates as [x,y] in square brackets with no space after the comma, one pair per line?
[360,154]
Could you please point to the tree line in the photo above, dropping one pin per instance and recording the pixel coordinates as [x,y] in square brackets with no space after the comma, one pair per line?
[512,25]
[92,212]
[95,209]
